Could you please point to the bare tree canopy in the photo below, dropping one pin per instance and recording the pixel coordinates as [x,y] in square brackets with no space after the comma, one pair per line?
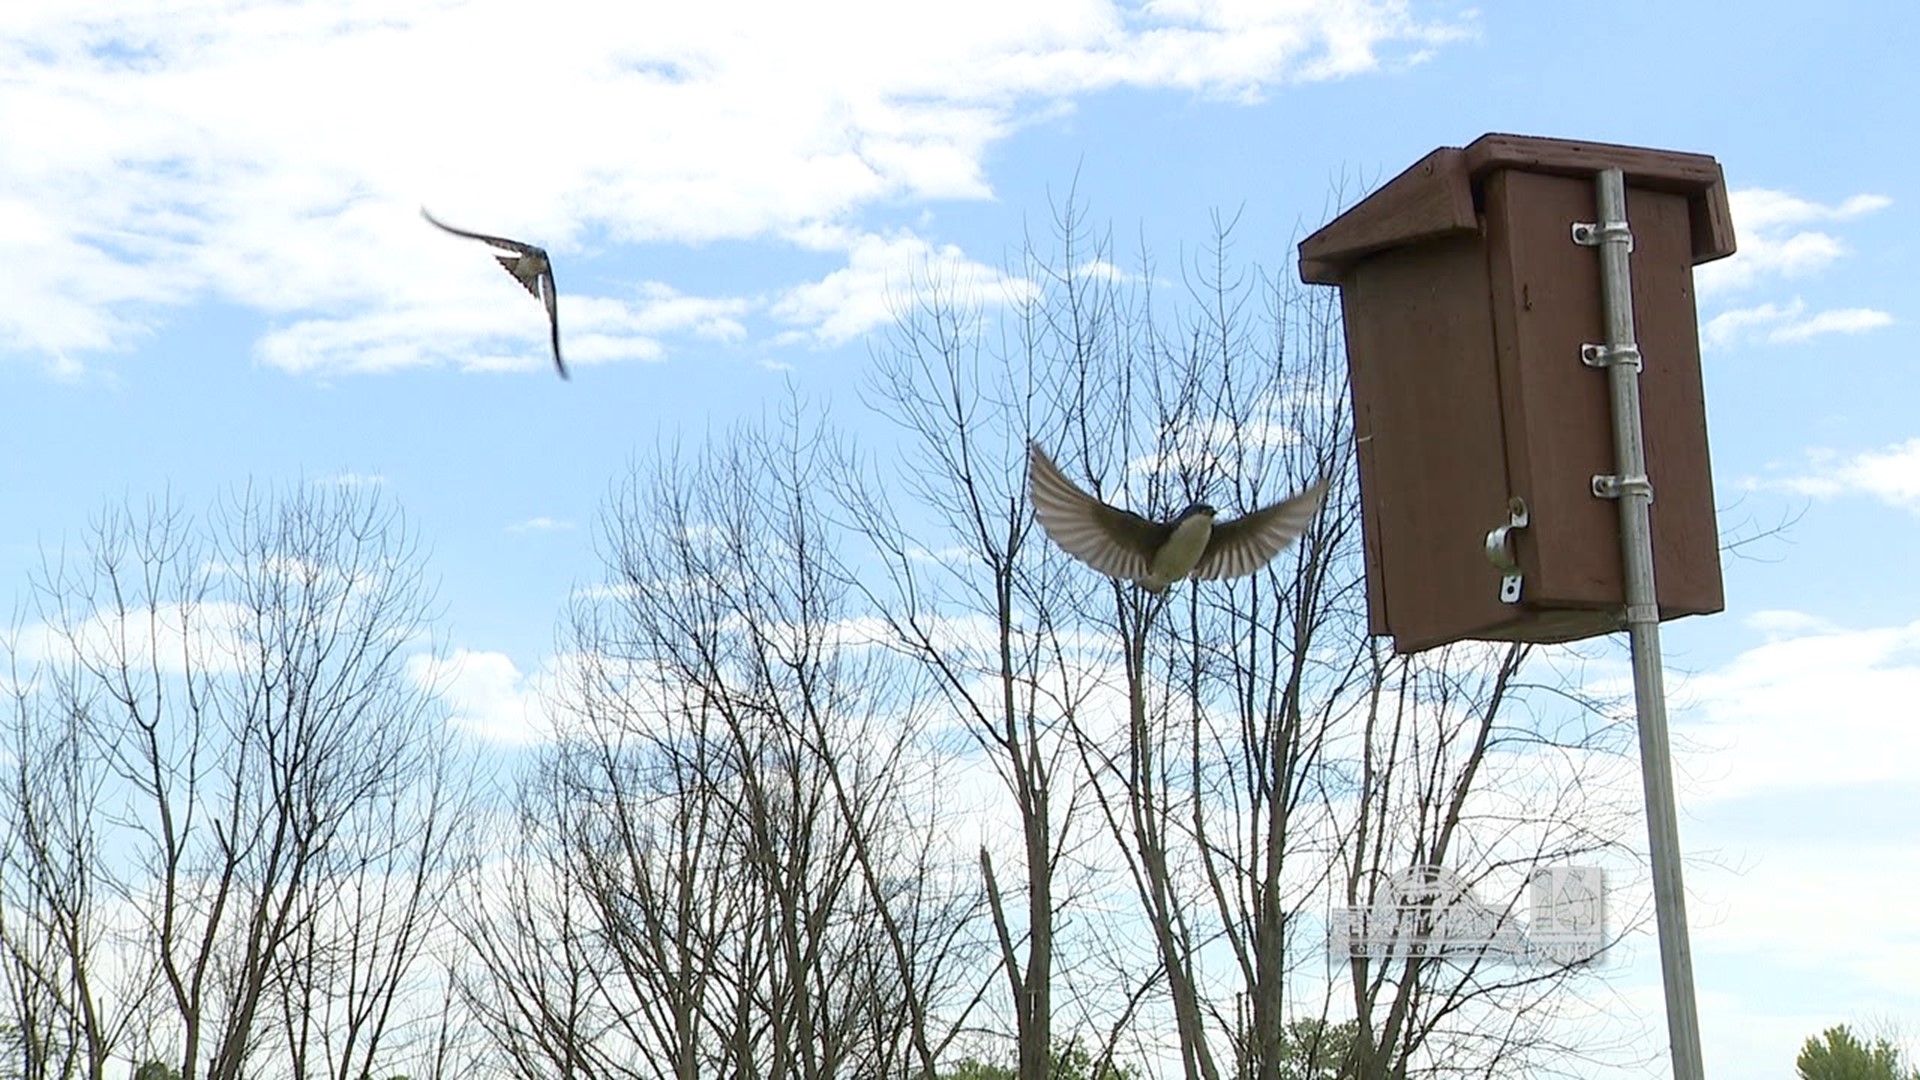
[744,854]
[231,809]
[851,773]
[727,863]
[1247,755]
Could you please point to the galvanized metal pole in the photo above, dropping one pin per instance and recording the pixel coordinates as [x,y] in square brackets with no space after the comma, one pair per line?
[1629,485]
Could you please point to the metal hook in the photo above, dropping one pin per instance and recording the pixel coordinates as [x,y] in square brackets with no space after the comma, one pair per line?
[1501,553]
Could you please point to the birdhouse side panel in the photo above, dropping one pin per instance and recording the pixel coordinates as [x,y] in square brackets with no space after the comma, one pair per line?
[1433,468]
[1364,381]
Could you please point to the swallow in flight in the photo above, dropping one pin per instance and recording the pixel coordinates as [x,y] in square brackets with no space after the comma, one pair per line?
[1155,554]
[529,266]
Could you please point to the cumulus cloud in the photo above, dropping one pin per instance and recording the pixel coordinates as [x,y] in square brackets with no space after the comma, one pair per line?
[1832,321]
[1777,240]
[1788,324]
[483,327]
[272,157]
[1815,707]
[167,637]
[882,272]
[1806,746]
[1890,474]
[489,697]
[1781,240]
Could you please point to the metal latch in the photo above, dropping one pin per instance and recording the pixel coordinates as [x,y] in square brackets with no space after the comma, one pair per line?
[1500,551]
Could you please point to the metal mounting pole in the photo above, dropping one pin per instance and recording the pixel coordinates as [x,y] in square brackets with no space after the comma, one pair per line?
[1629,484]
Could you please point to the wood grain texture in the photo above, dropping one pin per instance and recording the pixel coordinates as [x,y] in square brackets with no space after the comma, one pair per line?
[1442,194]
[1429,201]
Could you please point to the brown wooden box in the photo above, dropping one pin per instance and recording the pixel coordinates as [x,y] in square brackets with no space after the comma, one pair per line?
[1466,303]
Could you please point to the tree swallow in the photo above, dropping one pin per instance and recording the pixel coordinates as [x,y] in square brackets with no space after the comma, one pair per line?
[529,266]
[1155,554]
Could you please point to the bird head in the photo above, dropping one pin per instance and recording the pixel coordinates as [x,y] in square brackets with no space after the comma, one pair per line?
[1196,509]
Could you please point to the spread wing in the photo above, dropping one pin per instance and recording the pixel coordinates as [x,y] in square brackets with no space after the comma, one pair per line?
[540,286]
[1111,540]
[496,241]
[553,315]
[1246,544]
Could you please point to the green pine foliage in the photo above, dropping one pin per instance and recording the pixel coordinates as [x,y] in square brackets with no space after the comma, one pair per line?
[1839,1054]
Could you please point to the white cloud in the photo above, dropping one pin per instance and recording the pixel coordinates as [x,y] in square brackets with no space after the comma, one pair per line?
[479,321]
[1777,625]
[1773,241]
[1835,321]
[273,156]
[540,524]
[1787,909]
[1792,745]
[622,592]
[882,273]
[946,556]
[1102,270]
[347,478]
[1729,327]
[1890,474]
[1823,708]
[1760,208]
[1790,324]
[168,637]
[488,696]
[68,370]
[666,309]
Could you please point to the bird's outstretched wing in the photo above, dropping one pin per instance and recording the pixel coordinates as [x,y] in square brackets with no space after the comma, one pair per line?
[1246,544]
[496,241]
[1111,540]
[540,285]
[553,316]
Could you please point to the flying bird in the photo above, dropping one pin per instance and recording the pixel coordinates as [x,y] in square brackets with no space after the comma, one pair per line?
[1155,554]
[529,266]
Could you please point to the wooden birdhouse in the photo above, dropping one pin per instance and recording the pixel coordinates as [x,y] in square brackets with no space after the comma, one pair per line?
[1466,301]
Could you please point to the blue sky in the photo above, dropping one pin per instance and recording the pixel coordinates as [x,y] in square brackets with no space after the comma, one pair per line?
[215,271]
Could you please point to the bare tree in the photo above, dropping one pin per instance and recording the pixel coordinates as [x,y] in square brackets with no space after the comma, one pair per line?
[973,600]
[68,1007]
[271,811]
[1457,764]
[739,812]
[532,965]
[1224,778]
